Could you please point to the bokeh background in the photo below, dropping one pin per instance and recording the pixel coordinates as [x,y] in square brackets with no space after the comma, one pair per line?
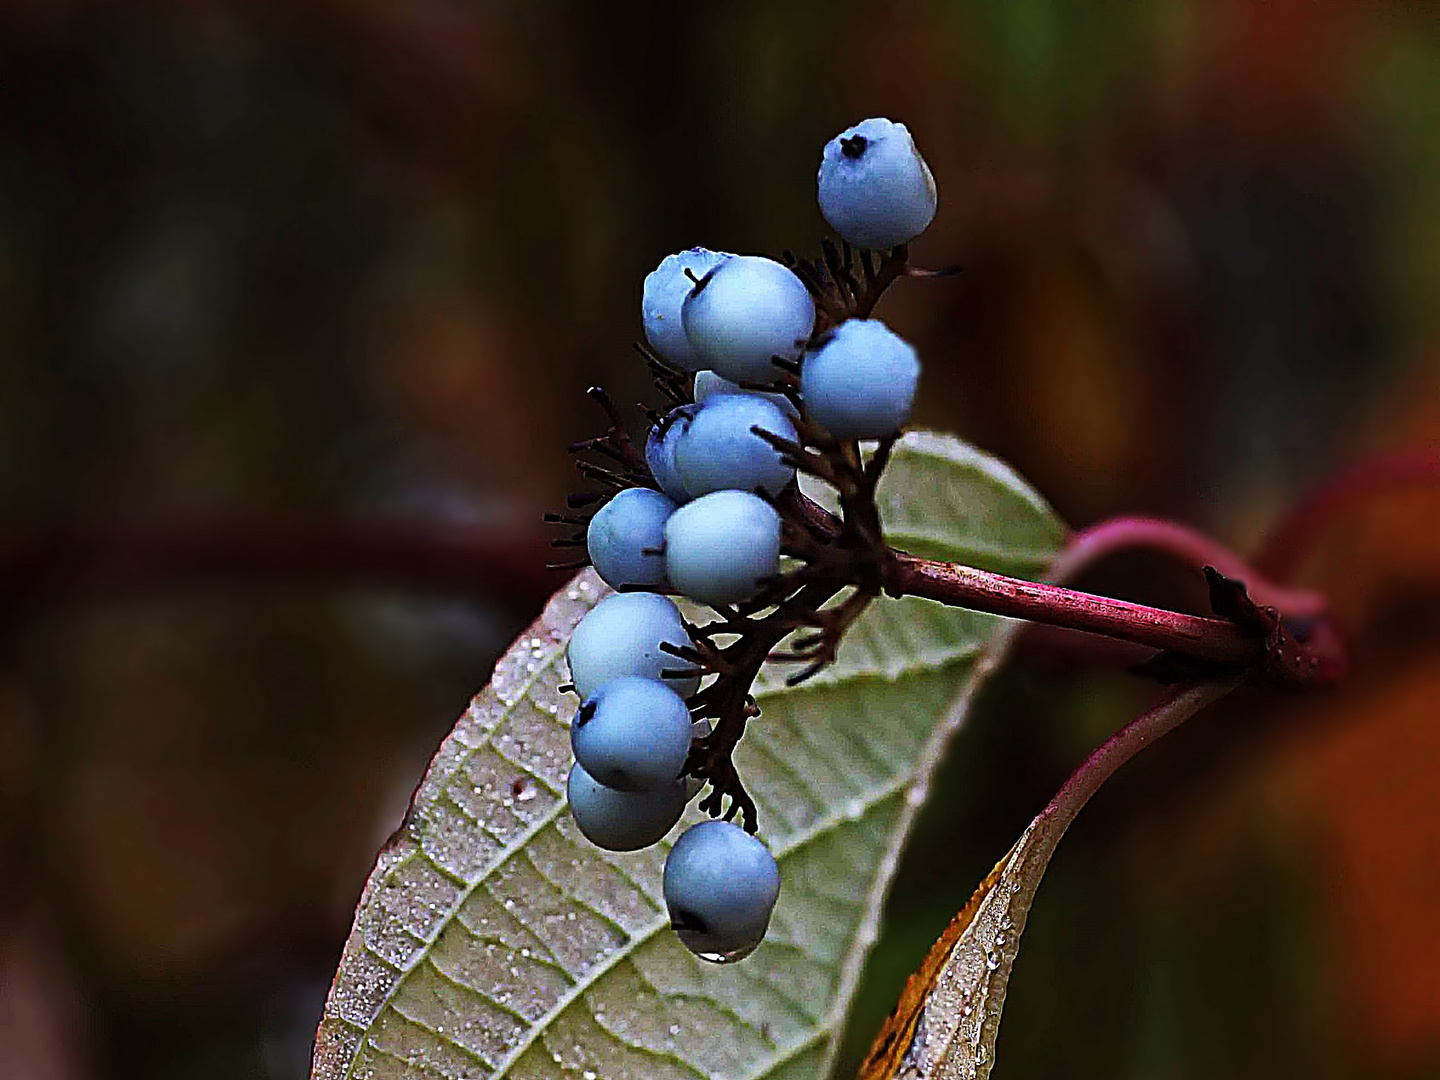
[286,285]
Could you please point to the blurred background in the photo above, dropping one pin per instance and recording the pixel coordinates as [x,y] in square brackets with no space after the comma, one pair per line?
[298,301]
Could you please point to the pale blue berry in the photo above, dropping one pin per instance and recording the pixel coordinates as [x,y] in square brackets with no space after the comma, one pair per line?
[745,312]
[721,548]
[622,636]
[708,385]
[622,820]
[626,538]
[660,447]
[721,450]
[632,734]
[860,383]
[875,189]
[665,290]
[720,887]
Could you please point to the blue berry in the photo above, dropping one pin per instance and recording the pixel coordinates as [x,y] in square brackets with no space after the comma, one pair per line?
[708,385]
[622,636]
[875,189]
[660,447]
[745,312]
[720,887]
[720,548]
[625,539]
[622,820]
[665,290]
[860,383]
[719,450]
[632,734]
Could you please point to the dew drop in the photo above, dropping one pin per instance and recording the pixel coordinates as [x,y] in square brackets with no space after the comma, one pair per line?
[726,957]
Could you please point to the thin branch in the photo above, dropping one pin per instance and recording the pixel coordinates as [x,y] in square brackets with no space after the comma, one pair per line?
[106,561]
[1172,711]
[1291,541]
[1189,546]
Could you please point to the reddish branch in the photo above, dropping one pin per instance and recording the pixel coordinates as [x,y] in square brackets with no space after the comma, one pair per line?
[504,567]
[1213,640]
[1174,709]
[493,563]
[1188,546]
[1293,539]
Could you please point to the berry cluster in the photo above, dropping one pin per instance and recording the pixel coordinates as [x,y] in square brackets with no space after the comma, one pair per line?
[770,368]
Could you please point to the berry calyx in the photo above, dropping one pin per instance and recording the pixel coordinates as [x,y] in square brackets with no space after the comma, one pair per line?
[720,448]
[626,537]
[632,734]
[664,292]
[723,547]
[622,635]
[743,314]
[720,888]
[860,383]
[875,189]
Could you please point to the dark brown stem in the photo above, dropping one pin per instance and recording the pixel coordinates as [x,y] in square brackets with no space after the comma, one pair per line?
[891,268]
[728,701]
[619,438]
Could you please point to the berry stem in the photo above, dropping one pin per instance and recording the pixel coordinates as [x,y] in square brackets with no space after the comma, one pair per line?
[728,701]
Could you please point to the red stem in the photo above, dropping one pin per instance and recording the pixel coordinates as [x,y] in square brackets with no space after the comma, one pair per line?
[1189,546]
[1214,640]
[505,567]
[490,562]
[1172,711]
[1293,539]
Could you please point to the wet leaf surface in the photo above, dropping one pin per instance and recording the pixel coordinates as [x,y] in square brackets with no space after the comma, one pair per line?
[492,940]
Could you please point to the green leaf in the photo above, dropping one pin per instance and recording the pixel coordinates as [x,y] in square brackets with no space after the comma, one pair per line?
[492,940]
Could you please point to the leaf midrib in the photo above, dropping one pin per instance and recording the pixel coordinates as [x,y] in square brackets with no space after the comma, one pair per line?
[796,841]
[783,850]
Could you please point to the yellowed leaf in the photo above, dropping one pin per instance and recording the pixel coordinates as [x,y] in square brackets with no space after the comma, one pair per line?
[948,1018]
